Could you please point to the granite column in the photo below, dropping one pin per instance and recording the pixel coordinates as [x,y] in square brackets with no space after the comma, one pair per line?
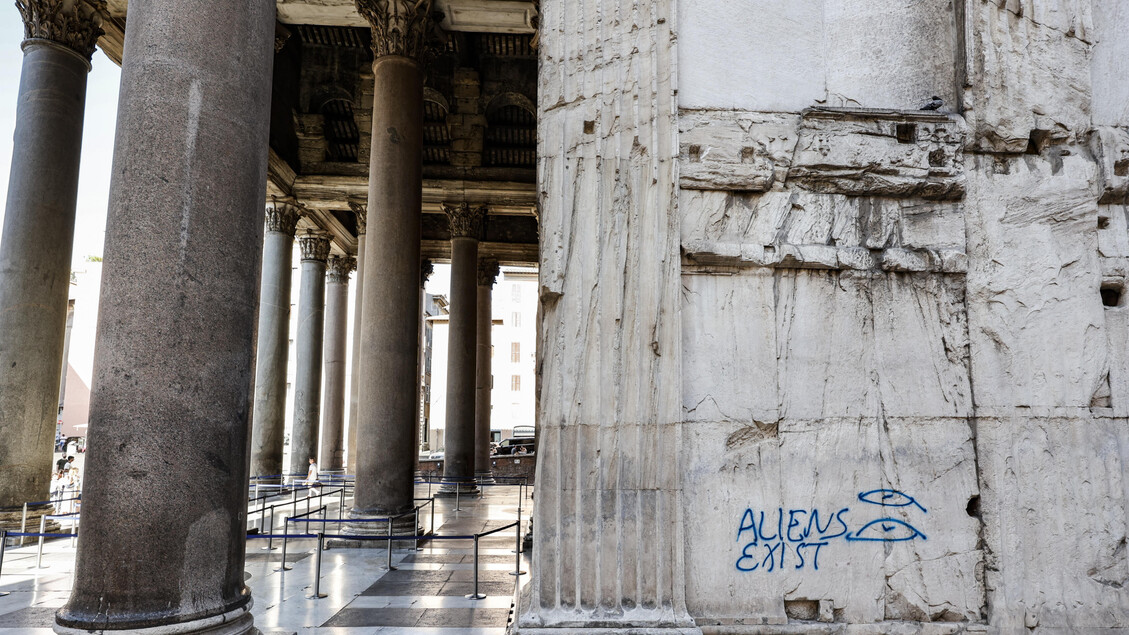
[386,408]
[164,515]
[426,268]
[458,453]
[309,345]
[361,215]
[331,452]
[38,234]
[487,274]
[268,429]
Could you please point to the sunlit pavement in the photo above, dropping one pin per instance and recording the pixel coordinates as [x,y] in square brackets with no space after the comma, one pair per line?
[424,593]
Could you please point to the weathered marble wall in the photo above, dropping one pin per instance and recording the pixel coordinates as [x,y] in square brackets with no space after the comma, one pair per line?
[905,301]
[903,367]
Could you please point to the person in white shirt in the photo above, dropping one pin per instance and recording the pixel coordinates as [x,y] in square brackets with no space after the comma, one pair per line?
[312,478]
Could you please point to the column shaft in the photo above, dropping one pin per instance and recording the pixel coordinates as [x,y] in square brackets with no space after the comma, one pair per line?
[458,452]
[309,346]
[487,272]
[390,315]
[268,429]
[165,498]
[355,378]
[35,258]
[331,454]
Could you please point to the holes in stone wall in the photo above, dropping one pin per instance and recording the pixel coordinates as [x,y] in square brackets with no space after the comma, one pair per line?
[1112,293]
[906,132]
[695,153]
[1103,222]
[973,507]
[801,609]
[1121,167]
[748,155]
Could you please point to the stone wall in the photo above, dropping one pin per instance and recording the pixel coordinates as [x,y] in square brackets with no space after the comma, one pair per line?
[902,331]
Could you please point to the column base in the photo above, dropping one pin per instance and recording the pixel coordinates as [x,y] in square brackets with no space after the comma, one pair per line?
[484,477]
[530,620]
[462,488]
[405,526]
[235,622]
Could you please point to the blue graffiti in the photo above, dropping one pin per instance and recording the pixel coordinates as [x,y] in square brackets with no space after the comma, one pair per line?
[887,530]
[777,539]
[889,498]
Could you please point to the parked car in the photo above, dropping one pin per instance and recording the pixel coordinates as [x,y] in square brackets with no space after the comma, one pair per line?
[511,445]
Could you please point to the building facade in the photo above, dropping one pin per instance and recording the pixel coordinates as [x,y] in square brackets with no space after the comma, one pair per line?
[831,294]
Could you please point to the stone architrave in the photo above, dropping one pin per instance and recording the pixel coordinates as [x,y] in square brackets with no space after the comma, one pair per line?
[268,430]
[388,394]
[38,234]
[309,344]
[487,275]
[331,451]
[361,214]
[466,223]
[170,407]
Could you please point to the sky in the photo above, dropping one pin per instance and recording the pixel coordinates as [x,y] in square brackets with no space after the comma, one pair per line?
[97,138]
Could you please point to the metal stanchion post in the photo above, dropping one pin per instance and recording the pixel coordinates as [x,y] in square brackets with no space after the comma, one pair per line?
[390,567]
[517,549]
[341,511]
[42,530]
[415,529]
[270,533]
[458,488]
[517,546]
[294,498]
[285,535]
[432,516]
[317,569]
[23,526]
[429,484]
[476,595]
[74,531]
[3,543]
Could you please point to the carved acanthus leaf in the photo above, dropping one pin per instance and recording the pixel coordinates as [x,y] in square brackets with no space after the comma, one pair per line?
[466,220]
[426,268]
[338,268]
[76,24]
[361,212]
[314,245]
[487,271]
[282,217]
[399,27]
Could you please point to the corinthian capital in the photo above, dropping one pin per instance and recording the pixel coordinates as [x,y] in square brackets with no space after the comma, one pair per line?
[426,268]
[339,267]
[361,212]
[282,217]
[487,271]
[399,27]
[314,245]
[76,24]
[466,221]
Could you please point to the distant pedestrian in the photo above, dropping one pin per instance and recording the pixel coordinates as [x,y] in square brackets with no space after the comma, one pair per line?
[64,463]
[312,478]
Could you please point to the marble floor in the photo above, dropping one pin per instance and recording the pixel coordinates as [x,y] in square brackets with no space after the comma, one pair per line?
[423,594]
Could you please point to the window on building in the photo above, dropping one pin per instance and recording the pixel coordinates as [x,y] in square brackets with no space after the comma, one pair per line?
[516,319]
[515,352]
[515,383]
[515,292]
